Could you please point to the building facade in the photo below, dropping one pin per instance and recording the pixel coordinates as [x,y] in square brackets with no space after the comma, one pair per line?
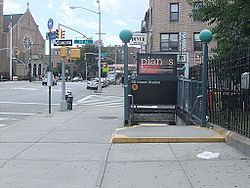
[170,29]
[27,43]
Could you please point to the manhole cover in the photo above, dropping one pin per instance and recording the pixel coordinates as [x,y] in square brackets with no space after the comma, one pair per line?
[107,117]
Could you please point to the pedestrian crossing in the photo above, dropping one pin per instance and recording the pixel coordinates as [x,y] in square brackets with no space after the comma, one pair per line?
[98,100]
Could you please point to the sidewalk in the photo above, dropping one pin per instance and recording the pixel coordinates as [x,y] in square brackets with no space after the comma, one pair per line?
[73,149]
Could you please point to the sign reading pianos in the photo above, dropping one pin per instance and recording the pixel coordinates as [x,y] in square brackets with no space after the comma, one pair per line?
[159,64]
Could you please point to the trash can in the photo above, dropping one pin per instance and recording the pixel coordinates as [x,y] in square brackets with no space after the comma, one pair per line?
[69,100]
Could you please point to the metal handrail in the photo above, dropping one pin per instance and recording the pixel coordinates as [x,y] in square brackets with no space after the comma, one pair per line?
[132,104]
[195,104]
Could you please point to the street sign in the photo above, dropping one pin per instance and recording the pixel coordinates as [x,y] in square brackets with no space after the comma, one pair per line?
[50,24]
[138,39]
[51,35]
[63,42]
[99,42]
[88,41]
[104,54]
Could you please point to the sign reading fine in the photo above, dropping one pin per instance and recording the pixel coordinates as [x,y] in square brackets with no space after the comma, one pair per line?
[138,39]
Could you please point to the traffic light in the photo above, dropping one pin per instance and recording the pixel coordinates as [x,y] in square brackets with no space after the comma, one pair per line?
[63,52]
[17,52]
[58,33]
[62,34]
[75,54]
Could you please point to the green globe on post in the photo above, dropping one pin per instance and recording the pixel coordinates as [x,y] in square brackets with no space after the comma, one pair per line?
[125,35]
[206,35]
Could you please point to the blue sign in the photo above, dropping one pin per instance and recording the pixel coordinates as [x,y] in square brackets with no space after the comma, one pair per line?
[51,35]
[50,24]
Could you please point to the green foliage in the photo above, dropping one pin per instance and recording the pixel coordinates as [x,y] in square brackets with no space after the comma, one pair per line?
[230,20]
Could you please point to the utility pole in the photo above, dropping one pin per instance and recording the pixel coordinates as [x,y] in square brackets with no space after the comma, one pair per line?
[11,50]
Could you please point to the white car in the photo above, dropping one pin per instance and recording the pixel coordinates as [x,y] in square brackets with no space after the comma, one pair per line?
[93,83]
[76,79]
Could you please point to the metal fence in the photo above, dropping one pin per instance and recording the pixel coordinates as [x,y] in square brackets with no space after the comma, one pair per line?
[228,103]
[189,95]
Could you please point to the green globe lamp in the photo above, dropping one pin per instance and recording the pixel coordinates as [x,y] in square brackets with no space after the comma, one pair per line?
[125,35]
[206,35]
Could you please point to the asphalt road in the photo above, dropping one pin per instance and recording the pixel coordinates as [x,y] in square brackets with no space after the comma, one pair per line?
[19,99]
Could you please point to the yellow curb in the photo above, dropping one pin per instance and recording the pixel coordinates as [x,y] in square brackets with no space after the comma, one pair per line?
[122,139]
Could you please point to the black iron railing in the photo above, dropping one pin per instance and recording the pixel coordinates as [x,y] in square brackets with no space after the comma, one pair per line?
[228,102]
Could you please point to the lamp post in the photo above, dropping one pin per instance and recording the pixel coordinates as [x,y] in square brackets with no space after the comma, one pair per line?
[99,41]
[125,36]
[205,37]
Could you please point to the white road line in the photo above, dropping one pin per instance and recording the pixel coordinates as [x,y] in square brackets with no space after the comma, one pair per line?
[28,103]
[107,105]
[107,101]
[85,98]
[2,125]
[8,119]
[31,89]
[17,113]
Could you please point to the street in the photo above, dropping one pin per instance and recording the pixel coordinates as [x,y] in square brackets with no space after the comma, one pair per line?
[19,99]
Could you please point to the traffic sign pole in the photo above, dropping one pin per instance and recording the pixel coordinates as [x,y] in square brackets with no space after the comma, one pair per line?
[50,27]
[49,71]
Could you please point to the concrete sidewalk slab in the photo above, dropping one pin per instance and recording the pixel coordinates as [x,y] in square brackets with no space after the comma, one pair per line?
[65,152]
[212,173]
[154,133]
[141,152]
[145,175]
[49,174]
[189,151]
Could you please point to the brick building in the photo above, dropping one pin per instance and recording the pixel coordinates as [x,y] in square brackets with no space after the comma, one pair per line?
[170,29]
[27,43]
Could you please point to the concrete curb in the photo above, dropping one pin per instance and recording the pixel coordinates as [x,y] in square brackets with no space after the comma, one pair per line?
[121,139]
[234,139]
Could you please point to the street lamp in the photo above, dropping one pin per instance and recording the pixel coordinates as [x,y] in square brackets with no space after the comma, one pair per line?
[125,35]
[99,41]
[205,37]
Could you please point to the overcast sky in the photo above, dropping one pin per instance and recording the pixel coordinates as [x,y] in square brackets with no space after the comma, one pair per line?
[116,15]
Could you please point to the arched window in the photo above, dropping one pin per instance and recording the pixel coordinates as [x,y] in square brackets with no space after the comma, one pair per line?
[34,70]
[39,70]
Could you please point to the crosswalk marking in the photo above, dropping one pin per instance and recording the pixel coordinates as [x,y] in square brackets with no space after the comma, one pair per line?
[97,100]
[17,113]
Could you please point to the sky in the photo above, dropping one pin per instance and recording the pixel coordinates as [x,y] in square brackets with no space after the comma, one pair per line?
[116,16]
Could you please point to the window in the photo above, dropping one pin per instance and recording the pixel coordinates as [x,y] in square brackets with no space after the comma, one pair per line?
[169,42]
[174,12]
[197,42]
[197,6]
[151,16]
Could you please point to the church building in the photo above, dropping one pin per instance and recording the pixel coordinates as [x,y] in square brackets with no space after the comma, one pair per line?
[28,46]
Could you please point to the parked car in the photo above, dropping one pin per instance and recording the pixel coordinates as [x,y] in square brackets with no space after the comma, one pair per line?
[93,83]
[76,79]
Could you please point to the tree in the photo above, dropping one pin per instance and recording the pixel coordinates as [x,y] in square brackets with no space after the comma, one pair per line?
[231,21]
[89,49]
